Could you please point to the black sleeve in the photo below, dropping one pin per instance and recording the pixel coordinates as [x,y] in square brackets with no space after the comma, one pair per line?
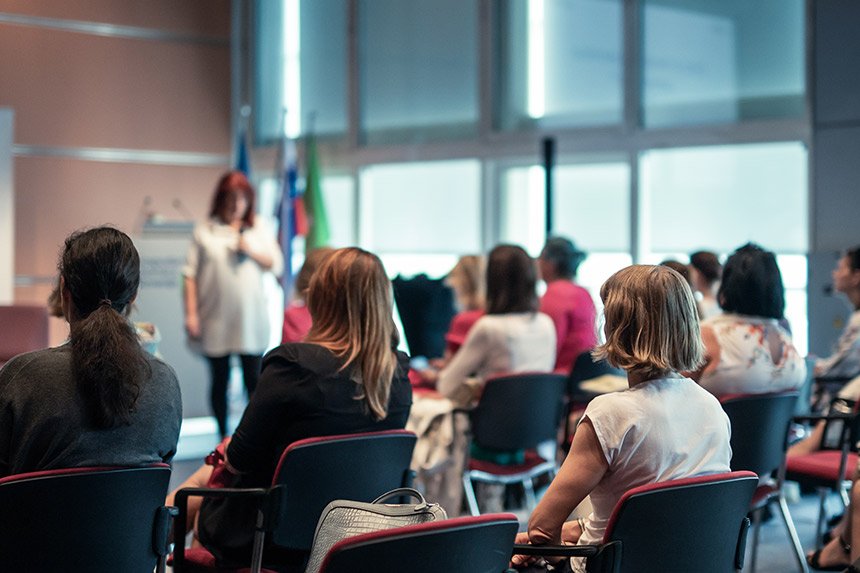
[274,402]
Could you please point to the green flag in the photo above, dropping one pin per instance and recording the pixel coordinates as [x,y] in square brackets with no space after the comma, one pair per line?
[318,234]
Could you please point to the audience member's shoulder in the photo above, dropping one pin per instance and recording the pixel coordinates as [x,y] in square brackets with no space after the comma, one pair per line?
[304,355]
[45,360]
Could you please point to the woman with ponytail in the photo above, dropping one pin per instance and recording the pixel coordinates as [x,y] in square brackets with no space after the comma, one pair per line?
[98,399]
[346,377]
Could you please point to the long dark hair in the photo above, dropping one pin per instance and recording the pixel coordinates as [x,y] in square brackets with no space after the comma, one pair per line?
[511,280]
[233,182]
[752,284]
[100,269]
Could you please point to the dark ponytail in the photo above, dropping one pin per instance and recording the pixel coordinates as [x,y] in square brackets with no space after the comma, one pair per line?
[101,272]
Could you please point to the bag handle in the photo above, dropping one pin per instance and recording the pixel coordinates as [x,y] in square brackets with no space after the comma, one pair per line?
[402,491]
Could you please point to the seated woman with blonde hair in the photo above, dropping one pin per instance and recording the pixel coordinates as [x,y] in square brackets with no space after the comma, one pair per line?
[346,377]
[664,427]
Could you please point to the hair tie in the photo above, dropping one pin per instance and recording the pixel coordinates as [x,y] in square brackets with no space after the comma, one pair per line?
[105,302]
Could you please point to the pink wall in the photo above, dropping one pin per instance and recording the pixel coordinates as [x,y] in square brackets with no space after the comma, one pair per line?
[80,90]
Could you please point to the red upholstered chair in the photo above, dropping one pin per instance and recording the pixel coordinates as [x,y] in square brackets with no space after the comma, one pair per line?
[25,328]
[101,520]
[831,468]
[515,412]
[311,473]
[460,545]
[760,425]
[694,524]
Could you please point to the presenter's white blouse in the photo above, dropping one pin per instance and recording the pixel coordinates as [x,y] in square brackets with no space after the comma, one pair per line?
[231,301]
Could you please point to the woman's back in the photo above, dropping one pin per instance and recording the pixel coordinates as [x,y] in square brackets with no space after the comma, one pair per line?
[753,356]
[46,424]
[303,393]
[659,430]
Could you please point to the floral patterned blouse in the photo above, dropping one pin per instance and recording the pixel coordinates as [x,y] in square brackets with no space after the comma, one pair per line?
[745,364]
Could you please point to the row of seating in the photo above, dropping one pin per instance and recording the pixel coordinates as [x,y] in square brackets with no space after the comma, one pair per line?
[112,519]
[73,517]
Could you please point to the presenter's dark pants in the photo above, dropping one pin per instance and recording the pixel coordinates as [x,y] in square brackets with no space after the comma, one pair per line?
[219,367]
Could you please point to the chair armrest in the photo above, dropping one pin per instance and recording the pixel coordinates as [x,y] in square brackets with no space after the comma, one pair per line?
[557,550]
[827,417]
[180,529]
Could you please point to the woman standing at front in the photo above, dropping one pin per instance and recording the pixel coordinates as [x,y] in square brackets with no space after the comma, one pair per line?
[225,306]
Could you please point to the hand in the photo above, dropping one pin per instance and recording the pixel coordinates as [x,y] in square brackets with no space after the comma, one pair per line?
[242,245]
[429,375]
[522,538]
[192,326]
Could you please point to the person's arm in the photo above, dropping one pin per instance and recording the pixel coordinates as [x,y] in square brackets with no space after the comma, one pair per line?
[192,319]
[465,362]
[583,469]
[266,253]
[840,363]
[273,402]
[712,353]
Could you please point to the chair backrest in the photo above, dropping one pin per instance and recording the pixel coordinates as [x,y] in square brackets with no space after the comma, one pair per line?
[462,545]
[693,524]
[25,328]
[83,519]
[518,411]
[317,471]
[759,429]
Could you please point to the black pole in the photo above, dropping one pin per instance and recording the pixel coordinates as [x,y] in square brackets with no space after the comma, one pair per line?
[548,166]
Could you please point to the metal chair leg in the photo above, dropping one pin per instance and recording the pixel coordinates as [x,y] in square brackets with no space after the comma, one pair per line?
[822,515]
[792,534]
[531,499]
[469,490]
[756,524]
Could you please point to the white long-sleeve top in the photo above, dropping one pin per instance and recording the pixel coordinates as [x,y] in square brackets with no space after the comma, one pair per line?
[500,344]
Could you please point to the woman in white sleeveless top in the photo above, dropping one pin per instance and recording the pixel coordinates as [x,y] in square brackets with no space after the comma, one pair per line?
[664,427]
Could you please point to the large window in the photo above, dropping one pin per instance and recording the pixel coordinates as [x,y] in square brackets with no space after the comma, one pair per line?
[418,66]
[421,216]
[300,68]
[721,62]
[560,63]
[680,125]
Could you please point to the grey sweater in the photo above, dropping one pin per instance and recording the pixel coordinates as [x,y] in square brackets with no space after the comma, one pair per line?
[44,424]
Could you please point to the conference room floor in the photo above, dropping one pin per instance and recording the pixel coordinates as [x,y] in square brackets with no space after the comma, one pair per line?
[775,552]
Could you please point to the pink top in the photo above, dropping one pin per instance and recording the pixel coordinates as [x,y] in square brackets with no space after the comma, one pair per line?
[297,322]
[572,311]
[459,328]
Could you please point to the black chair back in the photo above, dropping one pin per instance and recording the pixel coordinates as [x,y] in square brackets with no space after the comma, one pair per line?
[84,519]
[694,524]
[518,411]
[462,545]
[316,471]
[759,430]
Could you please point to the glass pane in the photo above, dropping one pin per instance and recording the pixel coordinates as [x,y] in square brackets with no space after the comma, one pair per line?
[419,69]
[522,208]
[560,63]
[301,67]
[718,198]
[594,271]
[722,62]
[430,208]
[591,205]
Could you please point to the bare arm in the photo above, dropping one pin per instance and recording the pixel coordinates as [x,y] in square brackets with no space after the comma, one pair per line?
[583,469]
[712,353]
[192,320]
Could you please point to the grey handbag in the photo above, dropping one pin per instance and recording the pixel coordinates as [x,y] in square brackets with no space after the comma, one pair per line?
[343,518]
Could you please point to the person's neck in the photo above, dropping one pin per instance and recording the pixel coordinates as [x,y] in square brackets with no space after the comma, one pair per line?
[635,377]
[854,297]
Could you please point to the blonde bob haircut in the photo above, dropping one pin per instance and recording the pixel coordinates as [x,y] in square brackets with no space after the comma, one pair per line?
[349,298]
[650,321]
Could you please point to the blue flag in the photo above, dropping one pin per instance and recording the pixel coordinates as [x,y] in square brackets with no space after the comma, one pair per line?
[243,160]
[286,215]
